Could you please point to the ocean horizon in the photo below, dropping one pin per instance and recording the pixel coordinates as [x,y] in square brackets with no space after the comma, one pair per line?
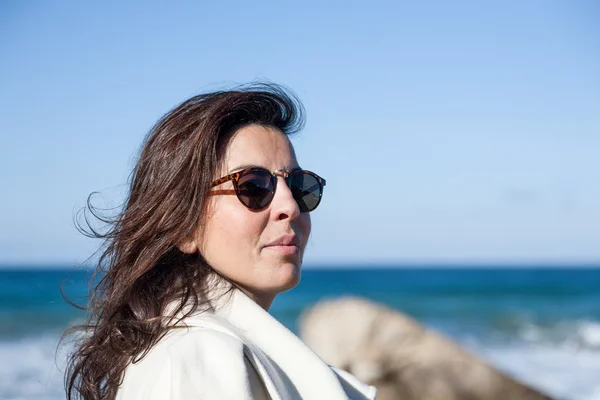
[538,323]
[324,265]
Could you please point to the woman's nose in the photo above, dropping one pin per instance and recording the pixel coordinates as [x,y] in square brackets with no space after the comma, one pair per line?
[284,205]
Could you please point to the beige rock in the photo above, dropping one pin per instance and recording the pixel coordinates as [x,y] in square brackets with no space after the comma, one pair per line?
[387,349]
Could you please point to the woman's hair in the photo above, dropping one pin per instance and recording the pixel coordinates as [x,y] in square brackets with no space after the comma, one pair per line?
[140,269]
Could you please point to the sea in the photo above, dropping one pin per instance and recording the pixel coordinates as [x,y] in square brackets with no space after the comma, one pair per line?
[540,325]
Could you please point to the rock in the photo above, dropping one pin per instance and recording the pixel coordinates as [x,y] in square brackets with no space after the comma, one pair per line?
[405,361]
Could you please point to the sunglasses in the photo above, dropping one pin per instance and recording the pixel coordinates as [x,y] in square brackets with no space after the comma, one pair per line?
[255,187]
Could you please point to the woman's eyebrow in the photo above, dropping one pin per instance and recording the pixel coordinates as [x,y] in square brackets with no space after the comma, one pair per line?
[244,166]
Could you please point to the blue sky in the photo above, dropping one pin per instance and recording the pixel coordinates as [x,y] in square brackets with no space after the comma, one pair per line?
[447,132]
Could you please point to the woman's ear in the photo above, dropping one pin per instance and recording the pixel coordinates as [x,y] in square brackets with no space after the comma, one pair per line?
[188,245]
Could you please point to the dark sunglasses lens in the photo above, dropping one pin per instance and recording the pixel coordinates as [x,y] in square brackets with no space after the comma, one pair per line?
[306,190]
[255,189]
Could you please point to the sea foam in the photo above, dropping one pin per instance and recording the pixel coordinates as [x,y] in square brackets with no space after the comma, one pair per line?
[32,368]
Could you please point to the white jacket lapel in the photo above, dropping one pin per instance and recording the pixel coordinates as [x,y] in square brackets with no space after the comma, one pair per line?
[294,369]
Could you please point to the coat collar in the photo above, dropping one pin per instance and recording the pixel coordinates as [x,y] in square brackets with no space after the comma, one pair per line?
[290,370]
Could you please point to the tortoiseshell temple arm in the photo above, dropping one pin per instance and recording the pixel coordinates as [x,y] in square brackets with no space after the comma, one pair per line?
[224,191]
[231,177]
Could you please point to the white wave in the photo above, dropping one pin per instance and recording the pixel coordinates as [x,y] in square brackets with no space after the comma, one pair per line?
[589,332]
[28,369]
[578,334]
[564,372]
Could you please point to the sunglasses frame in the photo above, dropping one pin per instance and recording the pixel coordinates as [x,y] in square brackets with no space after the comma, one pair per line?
[235,177]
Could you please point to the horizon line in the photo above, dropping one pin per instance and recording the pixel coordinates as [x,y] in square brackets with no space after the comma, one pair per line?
[363,264]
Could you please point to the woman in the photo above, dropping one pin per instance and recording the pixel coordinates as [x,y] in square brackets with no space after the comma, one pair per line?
[214,227]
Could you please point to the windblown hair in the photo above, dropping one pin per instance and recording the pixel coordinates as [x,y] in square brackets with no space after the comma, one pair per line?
[140,269]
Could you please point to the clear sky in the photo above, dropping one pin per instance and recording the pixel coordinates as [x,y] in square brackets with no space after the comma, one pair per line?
[458,131]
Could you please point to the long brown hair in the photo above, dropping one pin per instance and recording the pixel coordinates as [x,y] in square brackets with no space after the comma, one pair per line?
[140,269]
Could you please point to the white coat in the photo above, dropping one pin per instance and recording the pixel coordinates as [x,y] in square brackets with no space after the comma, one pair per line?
[236,352]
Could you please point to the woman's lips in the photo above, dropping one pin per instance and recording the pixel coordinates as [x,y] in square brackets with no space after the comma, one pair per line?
[284,249]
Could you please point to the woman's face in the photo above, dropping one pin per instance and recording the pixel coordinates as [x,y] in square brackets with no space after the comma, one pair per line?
[235,240]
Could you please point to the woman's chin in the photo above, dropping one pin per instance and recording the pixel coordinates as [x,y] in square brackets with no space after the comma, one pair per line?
[284,277]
